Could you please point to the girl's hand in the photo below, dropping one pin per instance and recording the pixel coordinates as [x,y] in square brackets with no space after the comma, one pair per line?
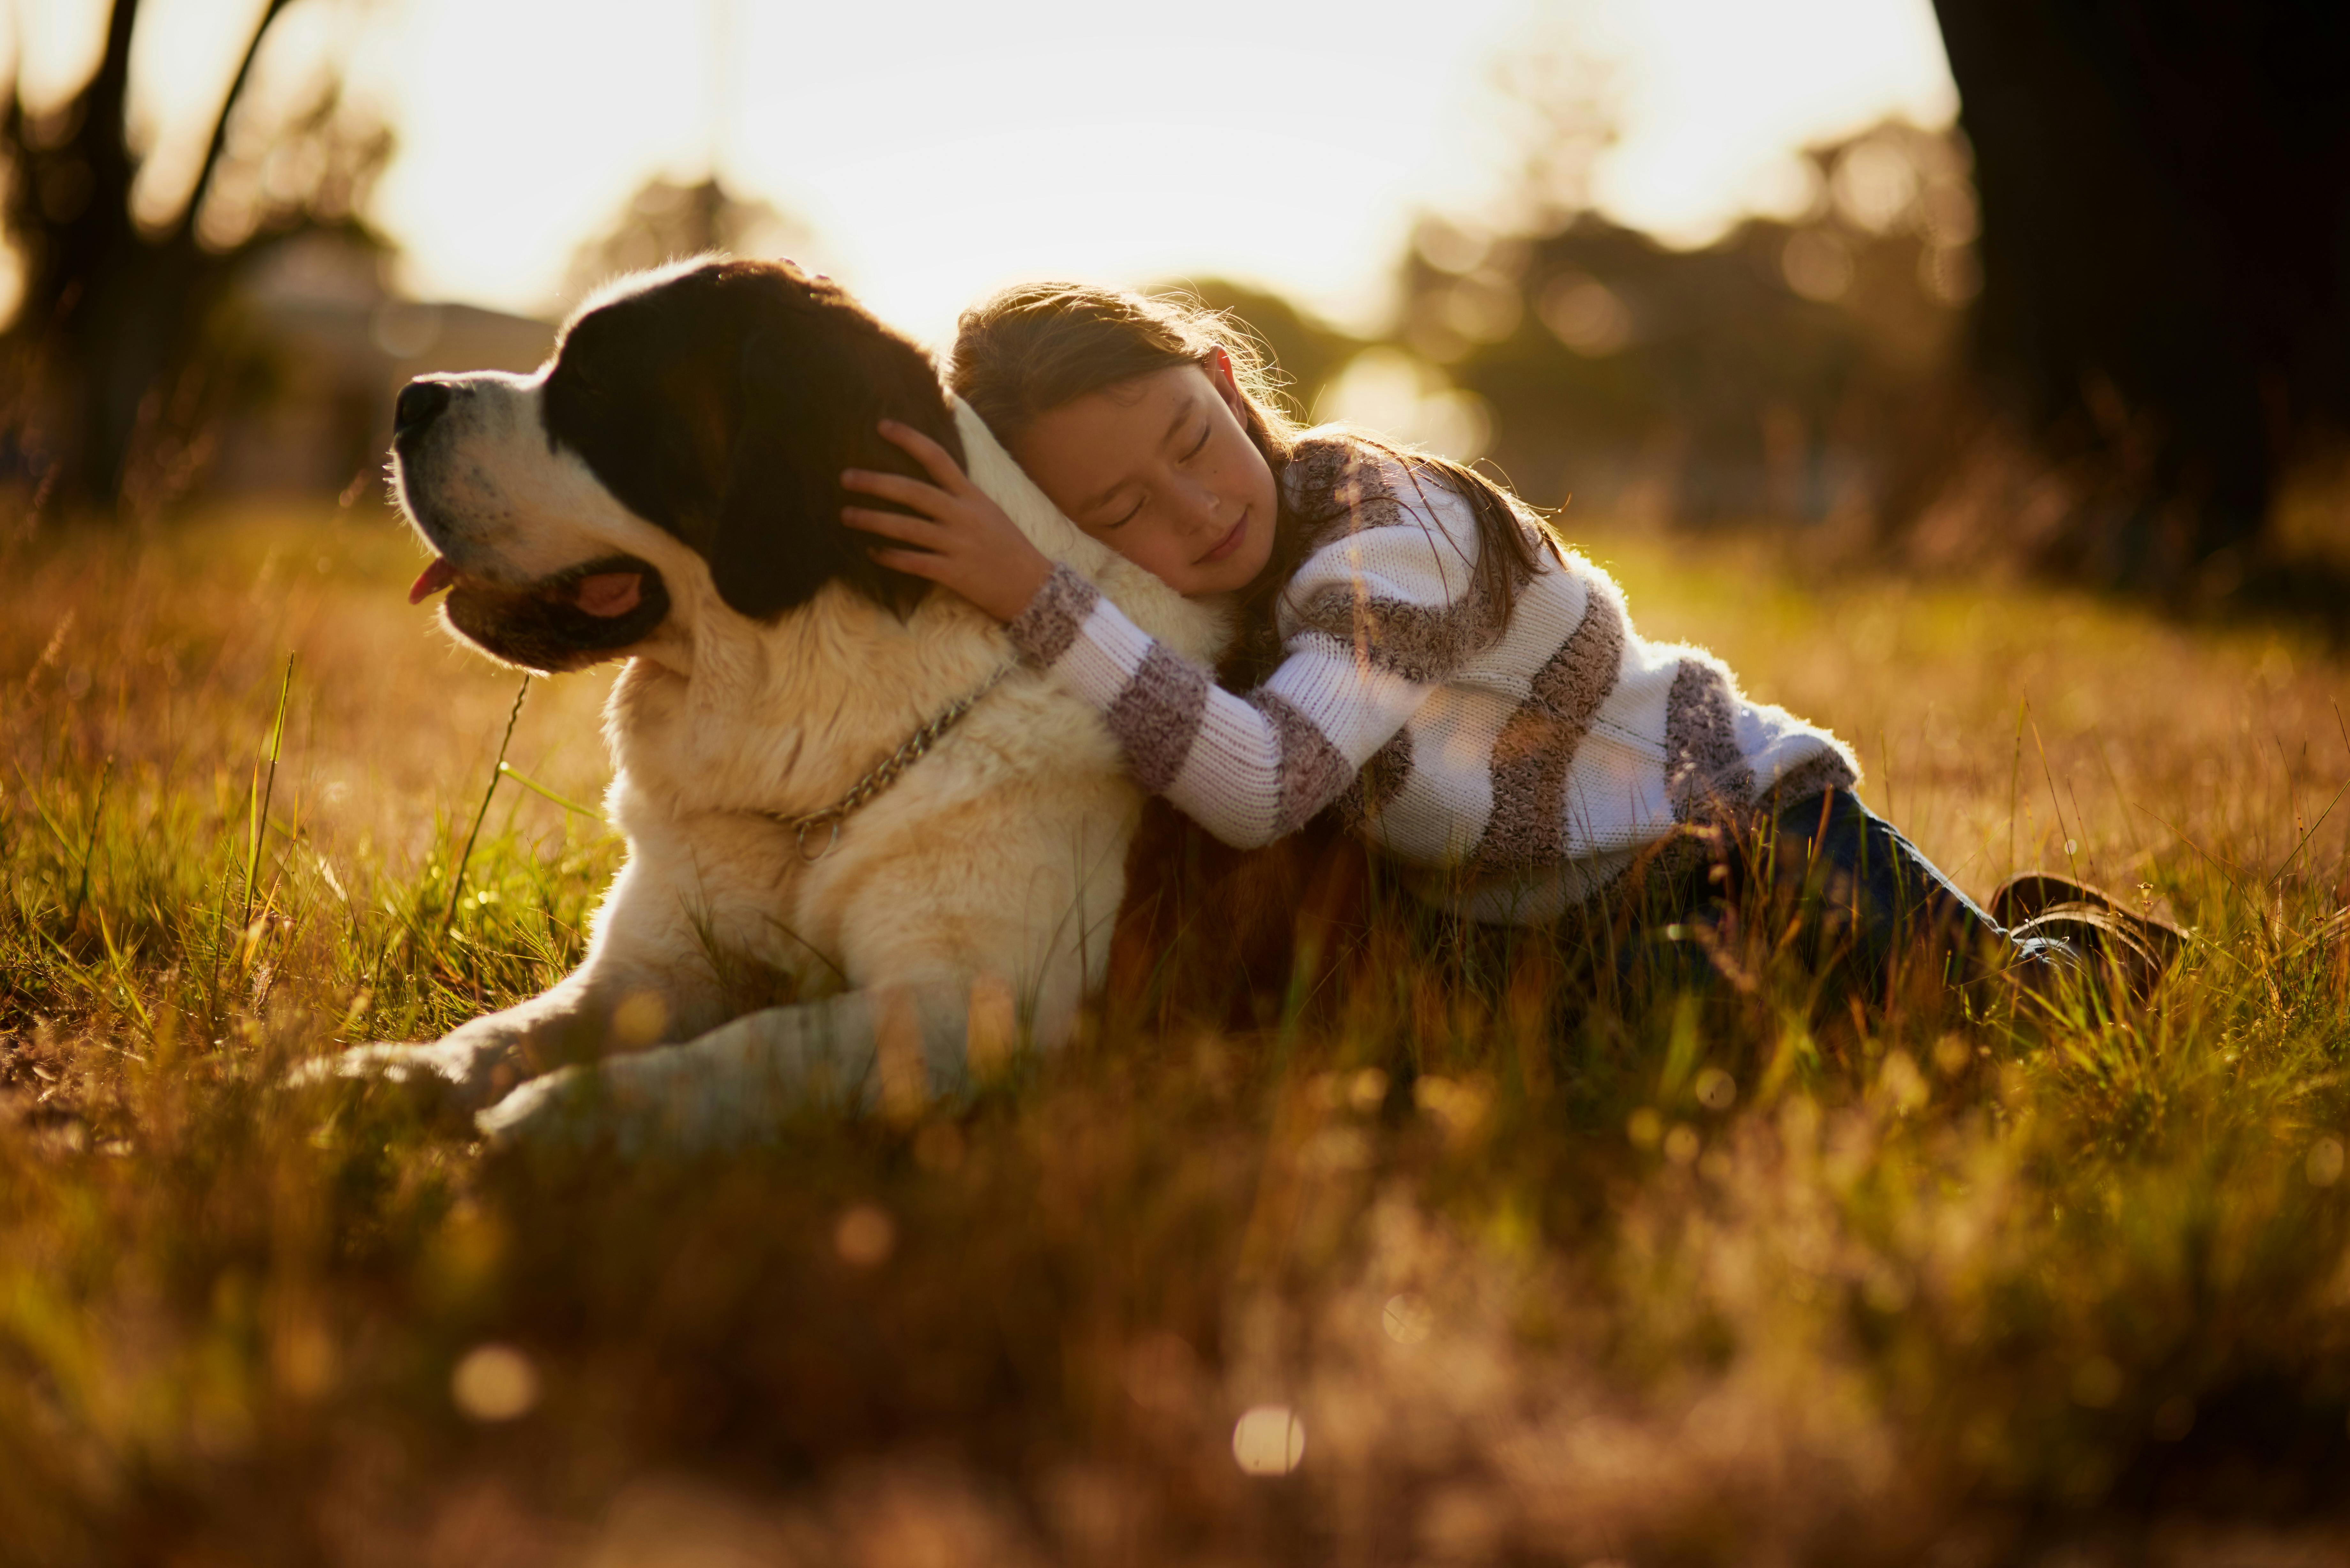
[961,540]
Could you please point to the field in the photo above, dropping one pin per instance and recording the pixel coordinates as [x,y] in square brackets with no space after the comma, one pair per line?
[1431,1266]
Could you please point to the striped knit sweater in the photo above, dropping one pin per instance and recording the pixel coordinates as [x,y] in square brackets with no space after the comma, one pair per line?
[1517,768]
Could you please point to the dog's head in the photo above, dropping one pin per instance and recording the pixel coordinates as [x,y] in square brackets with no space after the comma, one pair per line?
[694,420]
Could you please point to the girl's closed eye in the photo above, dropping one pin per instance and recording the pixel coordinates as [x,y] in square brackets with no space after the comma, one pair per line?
[1198,445]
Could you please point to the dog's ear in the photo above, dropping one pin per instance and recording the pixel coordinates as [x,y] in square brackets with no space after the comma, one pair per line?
[814,393]
[772,548]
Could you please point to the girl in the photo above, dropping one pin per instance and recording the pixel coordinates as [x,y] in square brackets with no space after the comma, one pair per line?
[1433,661]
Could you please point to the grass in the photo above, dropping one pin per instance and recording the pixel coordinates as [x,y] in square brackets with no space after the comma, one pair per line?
[1661,1277]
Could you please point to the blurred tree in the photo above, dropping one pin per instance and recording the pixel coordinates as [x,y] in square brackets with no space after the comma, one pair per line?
[1765,375]
[106,358]
[2166,261]
[1306,351]
[664,221]
[1555,108]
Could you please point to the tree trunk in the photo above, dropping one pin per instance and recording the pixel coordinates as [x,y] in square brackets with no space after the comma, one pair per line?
[2166,202]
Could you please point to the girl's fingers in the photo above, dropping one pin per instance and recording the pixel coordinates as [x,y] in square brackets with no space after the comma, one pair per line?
[935,460]
[913,563]
[927,499]
[892,525]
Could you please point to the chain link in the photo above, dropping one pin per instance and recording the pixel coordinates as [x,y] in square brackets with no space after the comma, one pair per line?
[885,773]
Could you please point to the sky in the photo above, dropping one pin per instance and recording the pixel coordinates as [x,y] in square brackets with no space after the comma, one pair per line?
[940,150]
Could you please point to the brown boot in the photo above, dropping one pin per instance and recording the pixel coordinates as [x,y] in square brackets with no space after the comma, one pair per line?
[2137,948]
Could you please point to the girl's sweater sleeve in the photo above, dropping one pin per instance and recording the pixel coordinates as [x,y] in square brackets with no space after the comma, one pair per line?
[1374,621]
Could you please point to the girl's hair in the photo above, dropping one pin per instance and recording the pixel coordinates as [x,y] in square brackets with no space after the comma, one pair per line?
[1035,346]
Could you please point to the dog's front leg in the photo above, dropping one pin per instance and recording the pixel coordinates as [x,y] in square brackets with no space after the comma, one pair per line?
[898,1048]
[644,980]
[484,1057]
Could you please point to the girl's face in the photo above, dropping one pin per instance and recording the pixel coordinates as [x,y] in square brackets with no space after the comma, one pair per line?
[1161,470]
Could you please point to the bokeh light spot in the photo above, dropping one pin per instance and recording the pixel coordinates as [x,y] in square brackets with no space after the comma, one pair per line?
[2325,1162]
[640,1020]
[1585,315]
[865,1237]
[1269,1440]
[1817,266]
[1407,1318]
[493,1383]
[1951,1054]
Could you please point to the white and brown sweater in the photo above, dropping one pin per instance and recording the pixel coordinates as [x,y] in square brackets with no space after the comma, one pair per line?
[1519,768]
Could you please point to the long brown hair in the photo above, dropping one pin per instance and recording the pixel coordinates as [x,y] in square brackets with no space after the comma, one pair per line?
[1036,346]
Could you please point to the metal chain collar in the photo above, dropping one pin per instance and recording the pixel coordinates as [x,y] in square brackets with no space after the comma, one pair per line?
[884,773]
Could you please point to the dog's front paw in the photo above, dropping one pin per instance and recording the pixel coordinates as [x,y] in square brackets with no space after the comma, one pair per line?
[561,1110]
[456,1074]
[629,1103]
[674,1101]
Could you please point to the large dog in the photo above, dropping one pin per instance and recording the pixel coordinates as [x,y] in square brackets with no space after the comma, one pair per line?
[665,489]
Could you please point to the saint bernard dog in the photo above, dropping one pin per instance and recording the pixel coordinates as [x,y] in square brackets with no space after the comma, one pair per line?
[665,491]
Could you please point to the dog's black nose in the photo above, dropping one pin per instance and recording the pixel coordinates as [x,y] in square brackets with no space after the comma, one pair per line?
[420,404]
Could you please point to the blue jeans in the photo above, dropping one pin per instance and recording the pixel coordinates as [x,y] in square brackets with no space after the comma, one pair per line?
[1841,886]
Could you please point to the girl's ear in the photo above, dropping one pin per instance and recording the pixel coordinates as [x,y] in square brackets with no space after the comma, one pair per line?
[1219,366]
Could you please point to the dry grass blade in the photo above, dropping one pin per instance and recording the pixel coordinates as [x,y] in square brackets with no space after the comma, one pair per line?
[264,790]
[472,837]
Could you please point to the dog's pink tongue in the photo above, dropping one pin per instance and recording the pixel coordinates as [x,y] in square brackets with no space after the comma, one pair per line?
[609,593]
[431,581]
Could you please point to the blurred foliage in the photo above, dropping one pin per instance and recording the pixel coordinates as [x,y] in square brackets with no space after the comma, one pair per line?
[1770,375]
[1775,374]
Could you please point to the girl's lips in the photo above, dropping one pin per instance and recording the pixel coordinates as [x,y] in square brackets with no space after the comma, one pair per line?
[1229,542]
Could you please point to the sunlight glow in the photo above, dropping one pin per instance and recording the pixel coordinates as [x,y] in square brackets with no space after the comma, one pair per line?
[1721,94]
[940,150]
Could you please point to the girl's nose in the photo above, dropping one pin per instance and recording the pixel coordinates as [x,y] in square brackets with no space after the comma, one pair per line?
[1204,511]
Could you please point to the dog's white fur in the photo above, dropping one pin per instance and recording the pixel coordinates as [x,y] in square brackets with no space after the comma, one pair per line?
[981,886]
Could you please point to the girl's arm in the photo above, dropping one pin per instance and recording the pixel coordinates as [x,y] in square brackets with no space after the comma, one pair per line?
[1381,615]
[1249,768]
